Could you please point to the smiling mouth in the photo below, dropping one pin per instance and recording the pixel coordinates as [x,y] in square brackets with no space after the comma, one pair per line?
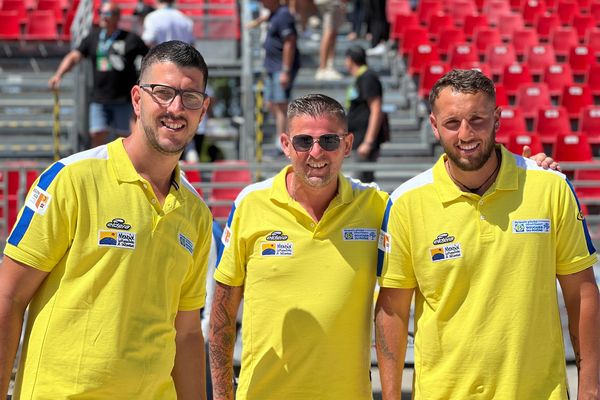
[468,147]
[317,165]
[172,125]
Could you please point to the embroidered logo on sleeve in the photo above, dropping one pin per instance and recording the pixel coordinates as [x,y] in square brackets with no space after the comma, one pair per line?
[385,242]
[226,236]
[119,239]
[39,200]
[531,226]
[360,234]
[448,252]
[186,243]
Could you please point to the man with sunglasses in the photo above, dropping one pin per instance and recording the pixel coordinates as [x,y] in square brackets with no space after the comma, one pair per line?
[301,249]
[115,55]
[111,251]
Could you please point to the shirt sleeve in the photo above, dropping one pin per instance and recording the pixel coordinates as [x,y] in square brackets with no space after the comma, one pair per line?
[575,250]
[370,86]
[287,26]
[231,269]
[46,224]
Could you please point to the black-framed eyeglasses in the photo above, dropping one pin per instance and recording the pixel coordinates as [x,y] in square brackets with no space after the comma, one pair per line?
[164,95]
[328,142]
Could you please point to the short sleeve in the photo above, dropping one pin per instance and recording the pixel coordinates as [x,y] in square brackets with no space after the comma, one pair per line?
[231,269]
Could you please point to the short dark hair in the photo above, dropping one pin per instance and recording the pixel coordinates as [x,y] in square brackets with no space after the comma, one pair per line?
[357,54]
[179,53]
[317,105]
[464,81]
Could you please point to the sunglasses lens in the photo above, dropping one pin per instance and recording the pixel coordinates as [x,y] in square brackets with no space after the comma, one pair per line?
[302,142]
[329,142]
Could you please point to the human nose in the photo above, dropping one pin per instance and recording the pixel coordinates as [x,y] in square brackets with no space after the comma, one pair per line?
[177,102]
[316,148]
[465,130]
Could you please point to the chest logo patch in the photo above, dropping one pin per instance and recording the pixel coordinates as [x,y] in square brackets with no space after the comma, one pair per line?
[448,252]
[277,249]
[531,226]
[442,239]
[118,223]
[122,240]
[277,236]
[39,200]
[186,243]
[360,234]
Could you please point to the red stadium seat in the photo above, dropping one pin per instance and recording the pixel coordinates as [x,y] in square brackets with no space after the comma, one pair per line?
[511,121]
[463,53]
[572,147]
[501,96]
[539,57]
[15,5]
[500,55]
[484,37]
[396,7]
[531,10]
[557,76]
[513,76]
[437,23]
[461,9]
[41,25]
[474,21]
[494,9]
[589,123]
[582,23]
[449,37]
[517,141]
[531,96]
[241,176]
[591,177]
[592,79]
[592,40]
[595,10]
[430,74]
[401,23]
[580,59]
[10,29]
[575,98]
[420,56]
[563,38]
[523,39]
[412,38]
[545,25]
[508,24]
[566,10]
[194,177]
[484,68]
[552,121]
[426,8]
[54,6]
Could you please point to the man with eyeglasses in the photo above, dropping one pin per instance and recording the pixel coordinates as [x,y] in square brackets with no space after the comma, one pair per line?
[115,55]
[111,252]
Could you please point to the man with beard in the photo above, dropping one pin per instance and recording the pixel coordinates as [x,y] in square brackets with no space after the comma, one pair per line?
[111,249]
[484,276]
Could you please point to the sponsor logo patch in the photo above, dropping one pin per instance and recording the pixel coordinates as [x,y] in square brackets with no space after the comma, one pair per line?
[447,252]
[39,200]
[531,226]
[580,215]
[276,249]
[226,236]
[443,238]
[277,236]
[122,240]
[186,243]
[385,242]
[118,223]
[360,234]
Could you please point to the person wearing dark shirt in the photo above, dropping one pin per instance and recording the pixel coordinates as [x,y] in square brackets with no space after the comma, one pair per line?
[282,61]
[363,101]
[114,54]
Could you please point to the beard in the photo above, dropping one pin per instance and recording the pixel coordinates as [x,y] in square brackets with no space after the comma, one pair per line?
[474,163]
[152,136]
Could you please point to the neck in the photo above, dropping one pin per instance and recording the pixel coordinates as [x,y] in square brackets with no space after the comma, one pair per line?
[479,181]
[314,200]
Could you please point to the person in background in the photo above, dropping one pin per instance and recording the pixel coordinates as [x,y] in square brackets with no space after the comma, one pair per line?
[379,26]
[167,23]
[480,239]
[364,99]
[110,252]
[332,17]
[282,61]
[115,56]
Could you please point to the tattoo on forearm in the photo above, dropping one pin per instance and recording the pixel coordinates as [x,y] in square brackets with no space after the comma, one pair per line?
[220,347]
[383,345]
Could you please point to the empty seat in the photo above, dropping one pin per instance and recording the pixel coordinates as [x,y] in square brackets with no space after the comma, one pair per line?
[539,57]
[550,122]
[572,147]
[426,8]
[531,96]
[580,59]
[531,10]
[575,98]
[430,74]
[566,10]
[10,28]
[513,76]
[523,39]
[41,25]
[494,9]
[517,141]
[54,6]
[589,123]
[508,24]
[557,76]
[563,38]
[401,23]
[484,37]
[545,25]
[436,23]
[449,37]
[412,38]
[395,7]
[461,9]
[501,96]
[498,56]
[592,79]
[511,121]
[420,56]
[463,53]
[473,22]
[592,40]
[236,179]
[587,183]
[15,5]
[582,23]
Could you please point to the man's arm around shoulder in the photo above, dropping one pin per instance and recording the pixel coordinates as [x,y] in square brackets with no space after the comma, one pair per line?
[18,284]
[221,338]
[392,313]
[583,308]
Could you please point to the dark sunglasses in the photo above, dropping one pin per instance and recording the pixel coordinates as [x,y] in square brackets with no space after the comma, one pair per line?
[328,142]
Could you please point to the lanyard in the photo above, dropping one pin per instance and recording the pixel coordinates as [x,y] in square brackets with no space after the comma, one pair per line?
[105,43]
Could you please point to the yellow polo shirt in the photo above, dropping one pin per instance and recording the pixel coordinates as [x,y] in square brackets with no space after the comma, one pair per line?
[101,326]
[308,290]
[486,316]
